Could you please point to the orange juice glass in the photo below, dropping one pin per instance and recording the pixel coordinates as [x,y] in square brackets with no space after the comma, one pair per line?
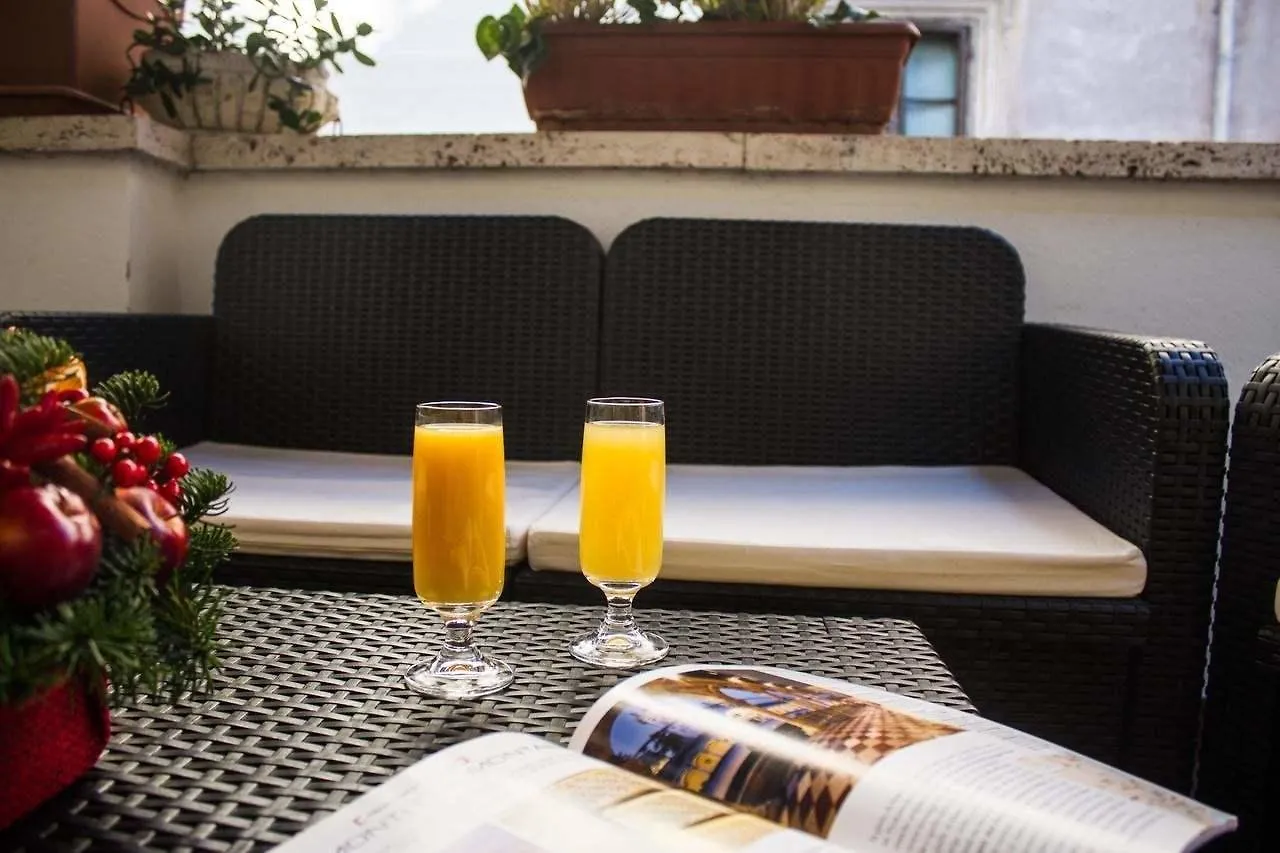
[459,540]
[624,463]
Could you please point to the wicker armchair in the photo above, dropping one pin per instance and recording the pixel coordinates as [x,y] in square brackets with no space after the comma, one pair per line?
[1240,752]
[326,331]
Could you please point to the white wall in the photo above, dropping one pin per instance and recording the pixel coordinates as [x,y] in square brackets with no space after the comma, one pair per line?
[1180,259]
[1099,69]
[64,234]
[1255,114]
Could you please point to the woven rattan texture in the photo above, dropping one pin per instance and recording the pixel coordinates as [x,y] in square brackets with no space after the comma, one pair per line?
[175,348]
[331,328]
[818,343]
[1241,727]
[1054,667]
[1133,431]
[310,711]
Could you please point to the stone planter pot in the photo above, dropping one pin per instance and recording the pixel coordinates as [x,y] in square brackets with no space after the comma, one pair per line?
[228,102]
[730,76]
[66,57]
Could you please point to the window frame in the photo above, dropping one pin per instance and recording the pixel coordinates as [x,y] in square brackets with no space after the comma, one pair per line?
[996,34]
[964,60]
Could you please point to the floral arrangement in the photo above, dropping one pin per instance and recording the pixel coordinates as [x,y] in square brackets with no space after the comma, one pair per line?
[106,547]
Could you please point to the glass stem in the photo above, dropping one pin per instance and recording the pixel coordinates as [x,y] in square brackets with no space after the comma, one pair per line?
[619,618]
[457,635]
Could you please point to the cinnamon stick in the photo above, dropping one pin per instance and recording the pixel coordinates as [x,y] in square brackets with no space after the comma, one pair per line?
[120,518]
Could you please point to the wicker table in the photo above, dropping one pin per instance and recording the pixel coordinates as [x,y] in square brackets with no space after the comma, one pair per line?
[309,710]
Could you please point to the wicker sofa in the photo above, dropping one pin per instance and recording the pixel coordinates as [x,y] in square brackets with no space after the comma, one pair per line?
[775,344]
[1240,753]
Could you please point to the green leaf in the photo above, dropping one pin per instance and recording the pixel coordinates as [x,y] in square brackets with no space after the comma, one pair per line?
[647,9]
[489,37]
[364,30]
[337,27]
[362,58]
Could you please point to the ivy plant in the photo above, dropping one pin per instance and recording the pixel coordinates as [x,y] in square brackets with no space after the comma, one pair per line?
[282,38]
[516,35]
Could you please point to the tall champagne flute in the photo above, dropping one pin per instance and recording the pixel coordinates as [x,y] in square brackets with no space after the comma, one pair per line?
[459,540]
[624,473]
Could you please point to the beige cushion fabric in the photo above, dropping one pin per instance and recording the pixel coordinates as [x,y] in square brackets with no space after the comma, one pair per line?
[977,530]
[317,504]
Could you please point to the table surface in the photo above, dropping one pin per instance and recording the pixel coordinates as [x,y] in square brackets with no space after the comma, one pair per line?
[309,710]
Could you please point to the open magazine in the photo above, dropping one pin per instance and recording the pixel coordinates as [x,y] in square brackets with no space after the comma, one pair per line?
[721,758]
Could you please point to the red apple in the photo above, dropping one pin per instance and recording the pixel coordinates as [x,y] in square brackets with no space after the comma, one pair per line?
[167,527]
[103,419]
[50,544]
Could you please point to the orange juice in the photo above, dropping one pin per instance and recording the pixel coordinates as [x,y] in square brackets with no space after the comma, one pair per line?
[459,537]
[624,477]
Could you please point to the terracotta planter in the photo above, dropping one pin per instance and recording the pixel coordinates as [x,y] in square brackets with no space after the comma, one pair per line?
[229,103]
[46,744]
[762,77]
[65,57]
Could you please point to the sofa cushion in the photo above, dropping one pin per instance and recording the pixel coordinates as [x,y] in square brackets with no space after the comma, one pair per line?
[988,530]
[319,504]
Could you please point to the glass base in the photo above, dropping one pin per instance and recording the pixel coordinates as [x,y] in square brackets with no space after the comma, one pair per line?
[453,678]
[619,649]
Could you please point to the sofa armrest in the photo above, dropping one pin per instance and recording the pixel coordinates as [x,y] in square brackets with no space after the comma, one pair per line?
[1133,430]
[176,348]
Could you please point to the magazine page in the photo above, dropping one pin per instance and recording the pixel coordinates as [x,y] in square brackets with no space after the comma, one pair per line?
[515,793]
[874,771]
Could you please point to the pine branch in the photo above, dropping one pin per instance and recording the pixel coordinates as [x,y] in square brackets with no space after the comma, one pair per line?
[187,627]
[133,393]
[102,632]
[204,494]
[209,546]
[28,356]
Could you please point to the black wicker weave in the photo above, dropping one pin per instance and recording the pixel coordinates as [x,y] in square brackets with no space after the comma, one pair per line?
[310,711]
[175,348]
[788,343]
[775,343]
[331,328]
[1240,755]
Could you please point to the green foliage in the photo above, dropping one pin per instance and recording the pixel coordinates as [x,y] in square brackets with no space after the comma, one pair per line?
[108,630]
[282,38]
[516,35]
[28,356]
[133,393]
[204,494]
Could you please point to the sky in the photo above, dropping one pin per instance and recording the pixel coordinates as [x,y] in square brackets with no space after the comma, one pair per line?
[430,76]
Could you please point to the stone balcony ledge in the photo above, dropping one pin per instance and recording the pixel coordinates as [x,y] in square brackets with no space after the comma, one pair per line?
[121,135]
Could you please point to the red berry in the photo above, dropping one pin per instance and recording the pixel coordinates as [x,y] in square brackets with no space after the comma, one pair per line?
[147,450]
[124,441]
[103,450]
[128,473]
[176,466]
[152,485]
[171,491]
[72,395]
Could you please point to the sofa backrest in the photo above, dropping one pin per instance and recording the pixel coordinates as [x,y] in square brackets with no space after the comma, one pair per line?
[330,328]
[791,343]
